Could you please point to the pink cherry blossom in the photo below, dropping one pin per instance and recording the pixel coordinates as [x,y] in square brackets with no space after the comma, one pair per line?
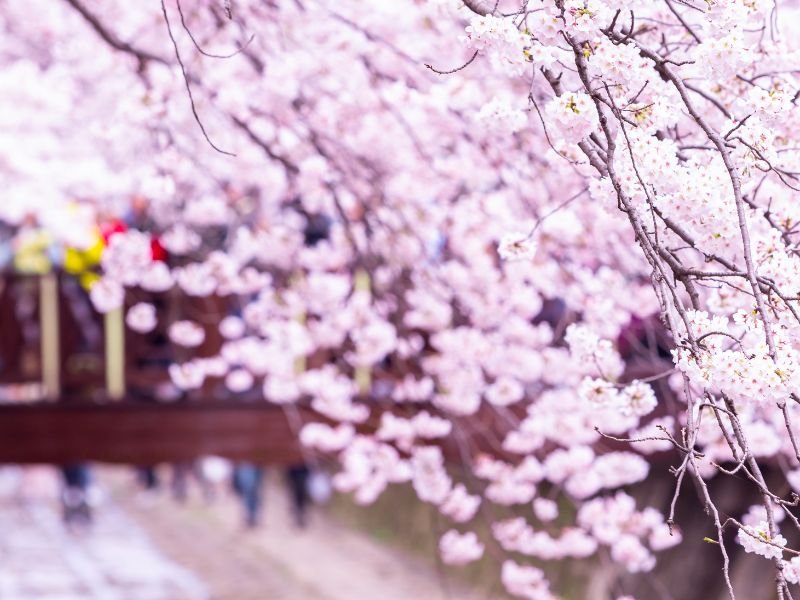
[186,333]
[232,327]
[141,317]
[516,246]
[156,278]
[460,549]
[239,380]
[107,295]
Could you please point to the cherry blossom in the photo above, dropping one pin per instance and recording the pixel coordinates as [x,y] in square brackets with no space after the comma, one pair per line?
[327,438]
[516,246]
[460,549]
[758,540]
[186,333]
[239,380]
[545,510]
[232,327]
[459,505]
[141,317]
[156,278]
[107,295]
[525,581]
[573,117]
[187,376]
[503,42]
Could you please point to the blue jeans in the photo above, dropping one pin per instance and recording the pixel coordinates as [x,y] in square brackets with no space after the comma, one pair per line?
[247,481]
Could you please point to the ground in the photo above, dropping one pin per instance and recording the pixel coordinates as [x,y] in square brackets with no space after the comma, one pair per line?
[152,548]
[42,560]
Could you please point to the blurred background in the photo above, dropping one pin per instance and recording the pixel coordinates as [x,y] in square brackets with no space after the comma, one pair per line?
[117,492]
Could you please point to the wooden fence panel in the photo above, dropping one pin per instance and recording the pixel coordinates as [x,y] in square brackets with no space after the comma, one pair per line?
[128,432]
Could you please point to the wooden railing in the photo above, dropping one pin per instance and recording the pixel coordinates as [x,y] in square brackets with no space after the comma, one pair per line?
[136,433]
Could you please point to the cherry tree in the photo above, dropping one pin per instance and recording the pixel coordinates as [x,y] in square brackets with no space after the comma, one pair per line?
[451,228]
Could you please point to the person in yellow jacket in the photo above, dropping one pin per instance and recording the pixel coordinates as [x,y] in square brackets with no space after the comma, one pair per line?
[82,262]
[32,248]
[36,250]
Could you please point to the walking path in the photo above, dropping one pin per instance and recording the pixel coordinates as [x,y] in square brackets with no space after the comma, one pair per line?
[326,561]
[41,560]
[161,550]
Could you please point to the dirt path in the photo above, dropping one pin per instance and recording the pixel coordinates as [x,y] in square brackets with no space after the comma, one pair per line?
[115,560]
[277,562]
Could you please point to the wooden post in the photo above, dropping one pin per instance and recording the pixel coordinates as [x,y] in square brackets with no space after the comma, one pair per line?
[363,375]
[115,353]
[49,335]
[300,361]
[301,317]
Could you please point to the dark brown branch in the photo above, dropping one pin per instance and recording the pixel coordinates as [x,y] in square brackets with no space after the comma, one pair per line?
[111,38]
[456,69]
[481,7]
[291,168]
[188,86]
[197,44]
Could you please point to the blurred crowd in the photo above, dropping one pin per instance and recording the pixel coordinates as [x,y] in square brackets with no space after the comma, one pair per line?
[212,478]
